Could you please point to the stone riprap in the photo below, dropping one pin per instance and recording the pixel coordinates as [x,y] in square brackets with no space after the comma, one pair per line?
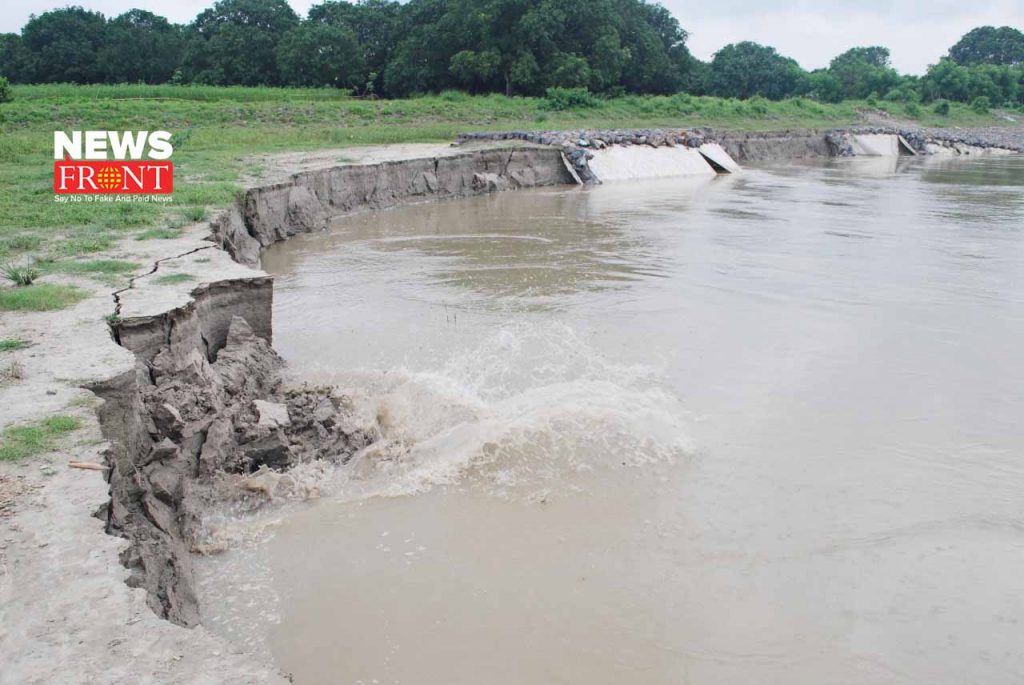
[577,145]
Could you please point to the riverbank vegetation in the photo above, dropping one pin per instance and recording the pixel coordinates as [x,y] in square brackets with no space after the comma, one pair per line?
[515,47]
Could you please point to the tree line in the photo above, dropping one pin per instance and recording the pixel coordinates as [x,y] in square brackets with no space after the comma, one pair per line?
[516,47]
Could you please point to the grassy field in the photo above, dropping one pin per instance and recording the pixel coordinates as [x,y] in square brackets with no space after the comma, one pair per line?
[215,128]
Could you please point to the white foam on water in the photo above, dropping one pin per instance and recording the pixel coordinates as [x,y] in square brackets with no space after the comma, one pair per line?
[530,405]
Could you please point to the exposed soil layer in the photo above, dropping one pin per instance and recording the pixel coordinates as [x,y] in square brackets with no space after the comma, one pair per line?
[192,415]
[307,200]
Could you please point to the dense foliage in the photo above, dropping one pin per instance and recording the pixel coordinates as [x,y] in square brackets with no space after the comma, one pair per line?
[989,45]
[571,50]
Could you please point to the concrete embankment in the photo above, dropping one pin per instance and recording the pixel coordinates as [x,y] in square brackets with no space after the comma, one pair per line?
[197,407]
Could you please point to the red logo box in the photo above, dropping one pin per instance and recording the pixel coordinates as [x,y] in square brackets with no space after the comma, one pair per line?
[144,177]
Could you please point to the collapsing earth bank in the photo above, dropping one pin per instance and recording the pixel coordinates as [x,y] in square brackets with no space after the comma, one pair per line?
[206,415]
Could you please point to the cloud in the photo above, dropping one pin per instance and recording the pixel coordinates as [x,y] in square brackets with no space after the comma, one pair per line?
[917,32]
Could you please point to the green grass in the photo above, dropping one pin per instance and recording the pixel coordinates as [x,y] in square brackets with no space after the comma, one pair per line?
[171,279]
[124,91]
[42,297]
[110,267]
[194,214]
[216,128]
[11,344]
[86,245]
[18,442]
[158,234]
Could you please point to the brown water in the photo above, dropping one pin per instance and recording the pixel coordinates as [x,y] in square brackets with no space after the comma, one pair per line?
[757,429]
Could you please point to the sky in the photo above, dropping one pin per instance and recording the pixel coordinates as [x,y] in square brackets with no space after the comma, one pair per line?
[812,32]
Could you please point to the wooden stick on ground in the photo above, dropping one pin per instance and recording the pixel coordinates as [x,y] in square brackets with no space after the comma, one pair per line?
[87,465]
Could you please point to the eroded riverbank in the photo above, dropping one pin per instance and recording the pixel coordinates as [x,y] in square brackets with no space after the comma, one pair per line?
[736,429]
[23,553]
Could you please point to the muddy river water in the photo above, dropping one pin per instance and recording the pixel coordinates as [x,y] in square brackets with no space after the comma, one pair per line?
[766,428]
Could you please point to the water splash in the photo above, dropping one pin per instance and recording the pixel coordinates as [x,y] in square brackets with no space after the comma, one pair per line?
[531,404]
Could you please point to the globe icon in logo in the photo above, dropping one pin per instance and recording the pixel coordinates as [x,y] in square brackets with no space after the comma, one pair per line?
[109,178]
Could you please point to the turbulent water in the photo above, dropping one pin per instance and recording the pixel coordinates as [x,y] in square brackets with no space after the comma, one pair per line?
[753,429]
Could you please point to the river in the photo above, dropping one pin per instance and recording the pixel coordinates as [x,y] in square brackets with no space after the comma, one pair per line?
[761,428]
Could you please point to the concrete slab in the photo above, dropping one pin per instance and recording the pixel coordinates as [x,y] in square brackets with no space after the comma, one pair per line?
[632,162]
[719,158]
[875,145]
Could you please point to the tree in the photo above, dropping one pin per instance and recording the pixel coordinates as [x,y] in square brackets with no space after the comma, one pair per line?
[375,23]
[526,46]
[822,85]
[951,81]
[859,72]
[64,44]
[473,69]
[141,46]
[989,45]
[314,54]
[235,42]
[17,63]
[742,70]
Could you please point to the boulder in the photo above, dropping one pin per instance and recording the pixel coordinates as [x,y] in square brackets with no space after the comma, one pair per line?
[271,414]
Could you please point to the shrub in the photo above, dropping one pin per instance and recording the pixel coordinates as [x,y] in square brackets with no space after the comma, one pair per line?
[453,96]
[758,105]
[941,107]
[560,99]
[981,104]
[6,92]
[195,213]
[19,274]
[912,109]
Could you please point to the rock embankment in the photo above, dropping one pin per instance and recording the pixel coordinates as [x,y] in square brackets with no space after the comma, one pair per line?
[577,145]
[920,139]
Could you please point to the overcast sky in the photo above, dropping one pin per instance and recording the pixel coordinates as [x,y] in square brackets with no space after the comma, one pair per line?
[811,31]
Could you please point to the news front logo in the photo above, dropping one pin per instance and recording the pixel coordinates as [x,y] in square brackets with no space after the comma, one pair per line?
[131,163]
